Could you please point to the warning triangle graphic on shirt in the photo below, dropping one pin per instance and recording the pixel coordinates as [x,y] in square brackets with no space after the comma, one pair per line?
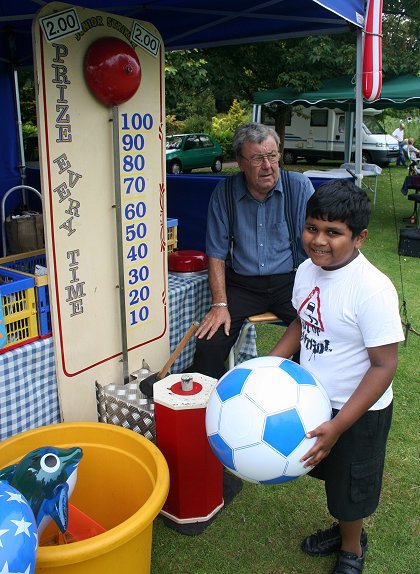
[310,310]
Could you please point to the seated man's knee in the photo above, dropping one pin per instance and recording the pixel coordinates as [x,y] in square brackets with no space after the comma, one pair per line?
[215,344]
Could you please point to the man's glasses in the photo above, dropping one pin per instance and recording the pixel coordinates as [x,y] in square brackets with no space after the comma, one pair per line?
[256,160]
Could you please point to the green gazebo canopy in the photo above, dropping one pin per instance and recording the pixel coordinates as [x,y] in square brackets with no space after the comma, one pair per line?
[399,92]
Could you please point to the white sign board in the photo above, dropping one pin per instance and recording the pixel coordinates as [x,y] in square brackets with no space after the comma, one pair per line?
[78,137]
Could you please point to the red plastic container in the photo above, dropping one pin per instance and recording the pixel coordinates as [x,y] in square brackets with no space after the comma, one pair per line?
[187,261]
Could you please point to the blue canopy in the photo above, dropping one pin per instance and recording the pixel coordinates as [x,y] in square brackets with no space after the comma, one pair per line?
[191,24]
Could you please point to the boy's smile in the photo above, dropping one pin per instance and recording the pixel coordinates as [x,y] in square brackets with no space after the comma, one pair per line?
[329,244]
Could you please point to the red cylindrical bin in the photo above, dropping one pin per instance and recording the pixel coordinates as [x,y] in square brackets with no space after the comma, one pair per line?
[196,475]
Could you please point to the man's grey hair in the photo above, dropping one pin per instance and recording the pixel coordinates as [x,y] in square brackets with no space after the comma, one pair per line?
[252,132]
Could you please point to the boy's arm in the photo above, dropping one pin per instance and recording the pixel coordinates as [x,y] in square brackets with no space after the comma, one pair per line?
[383,364]
[289,344]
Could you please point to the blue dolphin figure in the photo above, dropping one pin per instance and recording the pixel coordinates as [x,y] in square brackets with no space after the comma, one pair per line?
[46,477]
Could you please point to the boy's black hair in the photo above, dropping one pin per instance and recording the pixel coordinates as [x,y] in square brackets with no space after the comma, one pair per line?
[342,200]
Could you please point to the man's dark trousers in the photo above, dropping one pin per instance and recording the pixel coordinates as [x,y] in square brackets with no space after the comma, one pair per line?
[246,295]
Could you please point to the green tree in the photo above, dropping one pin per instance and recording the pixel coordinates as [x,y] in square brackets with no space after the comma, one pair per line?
[187,86]
[236,116]
[224,125]
[27,102]
[401,37]
[240,71]
[302,63]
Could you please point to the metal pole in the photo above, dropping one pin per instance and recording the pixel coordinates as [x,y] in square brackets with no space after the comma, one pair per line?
[22,164]
[256,113]
[348,130]
[359,107]
[120,255]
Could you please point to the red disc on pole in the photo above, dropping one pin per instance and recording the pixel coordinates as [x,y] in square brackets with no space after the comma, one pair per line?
[112,70]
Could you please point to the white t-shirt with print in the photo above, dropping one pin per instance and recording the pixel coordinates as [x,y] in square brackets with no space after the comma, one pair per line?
[342,312]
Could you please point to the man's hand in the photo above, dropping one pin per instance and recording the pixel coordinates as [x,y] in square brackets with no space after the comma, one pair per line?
[216,317]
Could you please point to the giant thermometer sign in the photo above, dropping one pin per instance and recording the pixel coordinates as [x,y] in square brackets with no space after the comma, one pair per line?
[101,130]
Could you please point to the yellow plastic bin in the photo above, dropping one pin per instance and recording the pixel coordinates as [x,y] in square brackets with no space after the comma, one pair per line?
[122,483]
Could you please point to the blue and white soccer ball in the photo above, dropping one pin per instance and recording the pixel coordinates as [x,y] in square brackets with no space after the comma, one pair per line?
[258,415]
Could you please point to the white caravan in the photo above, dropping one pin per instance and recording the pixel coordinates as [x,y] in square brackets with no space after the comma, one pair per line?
[319,133]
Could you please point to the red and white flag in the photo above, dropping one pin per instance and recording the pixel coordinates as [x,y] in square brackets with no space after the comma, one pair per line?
[372,51]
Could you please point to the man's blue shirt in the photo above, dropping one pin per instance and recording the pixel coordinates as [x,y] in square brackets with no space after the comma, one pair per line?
[261,237]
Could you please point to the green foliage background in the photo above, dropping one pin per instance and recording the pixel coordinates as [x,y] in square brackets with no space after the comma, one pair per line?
[226,74]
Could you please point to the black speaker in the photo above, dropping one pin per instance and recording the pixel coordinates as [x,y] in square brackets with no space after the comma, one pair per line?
[409,243]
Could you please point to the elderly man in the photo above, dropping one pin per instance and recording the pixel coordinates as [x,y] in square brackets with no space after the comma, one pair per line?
[254,227]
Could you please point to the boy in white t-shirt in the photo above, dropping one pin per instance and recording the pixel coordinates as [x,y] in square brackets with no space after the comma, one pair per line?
[348,329]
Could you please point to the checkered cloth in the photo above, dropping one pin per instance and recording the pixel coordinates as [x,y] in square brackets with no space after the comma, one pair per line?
[28,388]
[189,301]
[28,384]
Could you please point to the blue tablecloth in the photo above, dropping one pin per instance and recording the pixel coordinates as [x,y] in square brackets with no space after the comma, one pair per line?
[411,182]
[28,388]
[28,384]
[189,301]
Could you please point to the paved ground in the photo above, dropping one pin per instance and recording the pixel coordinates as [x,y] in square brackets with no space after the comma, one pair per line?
[226,165]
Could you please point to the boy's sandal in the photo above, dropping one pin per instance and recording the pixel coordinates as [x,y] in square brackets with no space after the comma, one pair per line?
[326,542]
[349,563]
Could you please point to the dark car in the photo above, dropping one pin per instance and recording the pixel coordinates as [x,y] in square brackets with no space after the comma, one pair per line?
[186,152]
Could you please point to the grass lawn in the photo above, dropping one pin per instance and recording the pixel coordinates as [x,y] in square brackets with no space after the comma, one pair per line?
[260,531]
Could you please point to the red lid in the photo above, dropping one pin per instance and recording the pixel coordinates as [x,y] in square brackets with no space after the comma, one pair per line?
[186,261]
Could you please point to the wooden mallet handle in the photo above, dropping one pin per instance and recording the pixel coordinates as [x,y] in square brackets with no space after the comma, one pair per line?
[162,373]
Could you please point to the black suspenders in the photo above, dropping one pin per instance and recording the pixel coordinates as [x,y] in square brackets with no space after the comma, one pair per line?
[285,179]
[231,213]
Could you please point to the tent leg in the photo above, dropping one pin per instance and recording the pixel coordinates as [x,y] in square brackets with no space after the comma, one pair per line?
[256,113]
[359,107]
[22,164]
[348,138]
